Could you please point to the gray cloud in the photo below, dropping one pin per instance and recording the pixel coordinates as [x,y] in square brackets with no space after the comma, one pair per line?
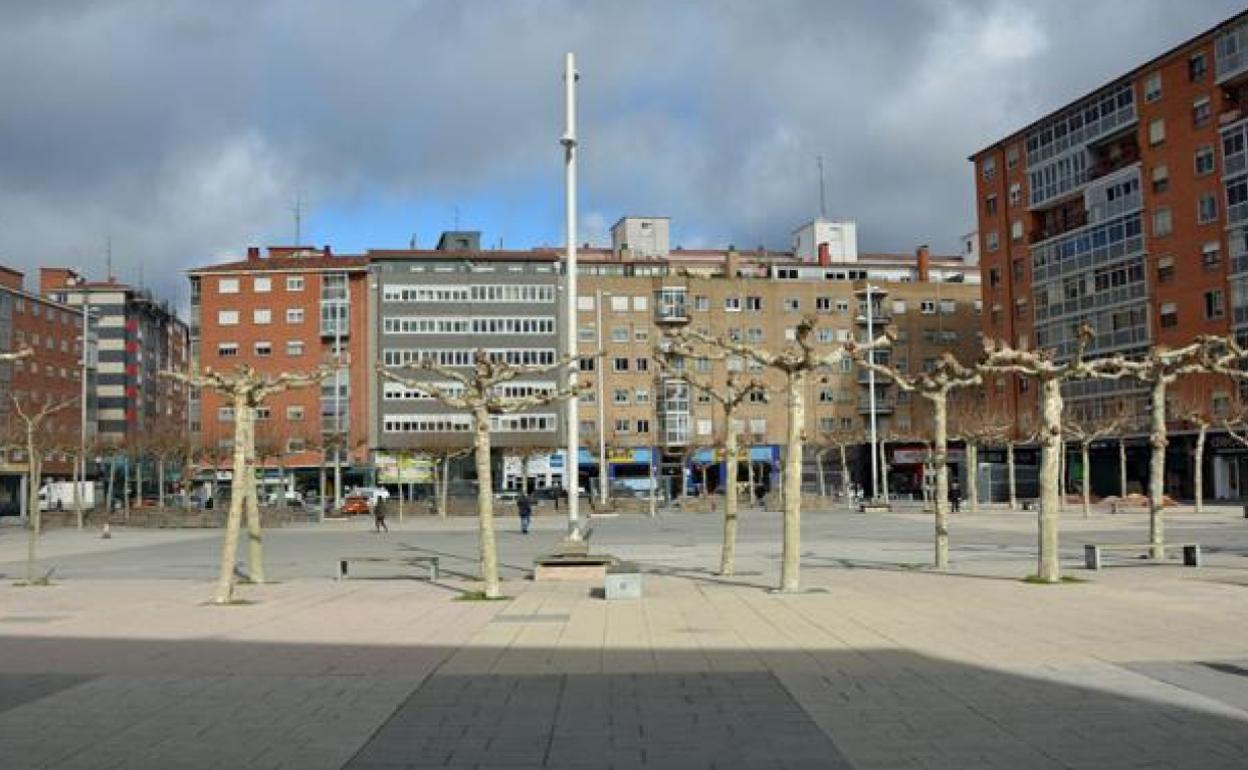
[182,129]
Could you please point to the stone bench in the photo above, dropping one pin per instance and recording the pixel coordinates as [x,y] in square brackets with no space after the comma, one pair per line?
[1092,553]
[430,562]
[875,508]
[623,581]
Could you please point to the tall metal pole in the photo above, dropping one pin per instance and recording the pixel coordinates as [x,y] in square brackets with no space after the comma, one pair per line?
[338,440]
[82,422]
[875,467]
[572,466]
[602,411]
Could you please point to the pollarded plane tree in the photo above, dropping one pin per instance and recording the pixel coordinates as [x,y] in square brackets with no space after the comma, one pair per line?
[1050,374]
[1196,408]
[795,362]
[35,439]
[839,437]
[736,391]
[934,385]
[979,424]
[477,390]
[247,390]
[1085,429]
[1158,369]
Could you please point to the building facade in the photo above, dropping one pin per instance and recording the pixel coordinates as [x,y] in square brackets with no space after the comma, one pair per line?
[1125,210]
[139,337]
[52,375]
[291,309]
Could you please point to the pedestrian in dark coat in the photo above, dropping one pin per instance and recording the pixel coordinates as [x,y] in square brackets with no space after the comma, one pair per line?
[524,507]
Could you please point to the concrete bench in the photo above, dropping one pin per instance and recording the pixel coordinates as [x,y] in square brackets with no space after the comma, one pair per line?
[623,581]
[874,508]
[1031,504]
[430,562]
[1092,553]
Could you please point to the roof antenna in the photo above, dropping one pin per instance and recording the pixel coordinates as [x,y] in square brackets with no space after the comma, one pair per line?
[298,217]
[823,203]
[411,243]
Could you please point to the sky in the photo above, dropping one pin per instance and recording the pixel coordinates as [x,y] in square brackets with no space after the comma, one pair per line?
[176,133]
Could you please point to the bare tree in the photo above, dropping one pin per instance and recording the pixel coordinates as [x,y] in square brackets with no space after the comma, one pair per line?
[1195,408]
[477,391]
[736,391]
[795,362]
[35,441]
[934,385]
[247,390]
[1041,366]
[838,438]
[1086,429]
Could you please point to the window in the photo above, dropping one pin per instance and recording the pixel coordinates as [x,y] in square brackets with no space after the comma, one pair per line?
[587,364]
[264,349]
[1157,131]
[1169,315]
[1016,230]
[640,334]
[1152,87]
[227,318]
[1213,304]
[758,426]
[994,276]
[754,303]
[703,427]
[227,286]
[1196,67]
[294,283]
[927,307]
[262,285]
[294,348]
[1206,209]
[619,304]
[263,413]
[1202,111]
[991,240]
[294,413]
[1011,156]
[588,427]
[1018,269]
[643,426]
[842,306]
[225,414]
[732,304]
[643,364]
[623,425]
[1211,255]
[641,396]
[1016,193]
[619,364]
[585,302]
[619,334]
[1162,224]
[792,304]
[261,316]
[1165,269]
[1204,160]
[899,307]
[294,315]
[948,307]
[620,396]
[988,168]
[1161,178]
[227,349]
[640,304]
[990,205]
[1020,307]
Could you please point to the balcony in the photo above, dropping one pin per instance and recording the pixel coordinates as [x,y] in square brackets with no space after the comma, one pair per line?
[1070,219]
[1231,56]
[882,406]
[864,378]
[671,306]
[879,317]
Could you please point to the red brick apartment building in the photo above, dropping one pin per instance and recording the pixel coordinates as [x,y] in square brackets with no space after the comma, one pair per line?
[51,375]
[1126,209]
[288,310]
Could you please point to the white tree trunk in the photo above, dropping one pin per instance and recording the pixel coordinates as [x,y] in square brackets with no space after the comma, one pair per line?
[445,492]
[749,473]
[34,524]
[255,542]
[1013,480]
[125,490]
[1087,480]
[1200,468]
[844,473]
[485,505]
[972,475]
[883,445]
[138,482]
[160,482]
[80,476]
[112,476]
[1061,476]
[229,548]
[941,503]
[728,556]
[654,483]
[1157,470]
[1048,567]
[398,476]
[790,577]
[823,487]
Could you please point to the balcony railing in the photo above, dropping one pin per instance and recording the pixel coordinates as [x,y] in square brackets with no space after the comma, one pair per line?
[864,377]
[882,406]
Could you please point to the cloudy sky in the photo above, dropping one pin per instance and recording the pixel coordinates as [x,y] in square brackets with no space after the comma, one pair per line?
[182,132]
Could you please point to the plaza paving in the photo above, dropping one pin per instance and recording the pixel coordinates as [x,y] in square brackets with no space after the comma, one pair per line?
[881,664]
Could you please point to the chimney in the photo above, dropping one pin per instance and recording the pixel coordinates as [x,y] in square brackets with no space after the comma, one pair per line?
[923,256]
[731,263]
[253,253]
[825,257]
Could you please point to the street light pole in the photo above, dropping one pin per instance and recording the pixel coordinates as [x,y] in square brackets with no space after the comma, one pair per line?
[602,409]
[875,469]
[572,466]
[80,482]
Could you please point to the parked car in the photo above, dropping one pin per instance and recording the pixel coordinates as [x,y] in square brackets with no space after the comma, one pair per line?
[355,505]
[293,498]
[375,495]
[507,495]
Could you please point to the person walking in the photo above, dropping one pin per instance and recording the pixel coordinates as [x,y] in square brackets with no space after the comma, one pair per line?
[379,519]
[955,496]
[525,508]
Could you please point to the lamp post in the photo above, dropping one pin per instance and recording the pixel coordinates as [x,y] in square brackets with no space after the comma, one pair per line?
[602,409]
[875,468]
[572,469]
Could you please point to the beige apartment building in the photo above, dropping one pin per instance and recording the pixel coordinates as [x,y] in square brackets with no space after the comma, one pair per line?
[635,415]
